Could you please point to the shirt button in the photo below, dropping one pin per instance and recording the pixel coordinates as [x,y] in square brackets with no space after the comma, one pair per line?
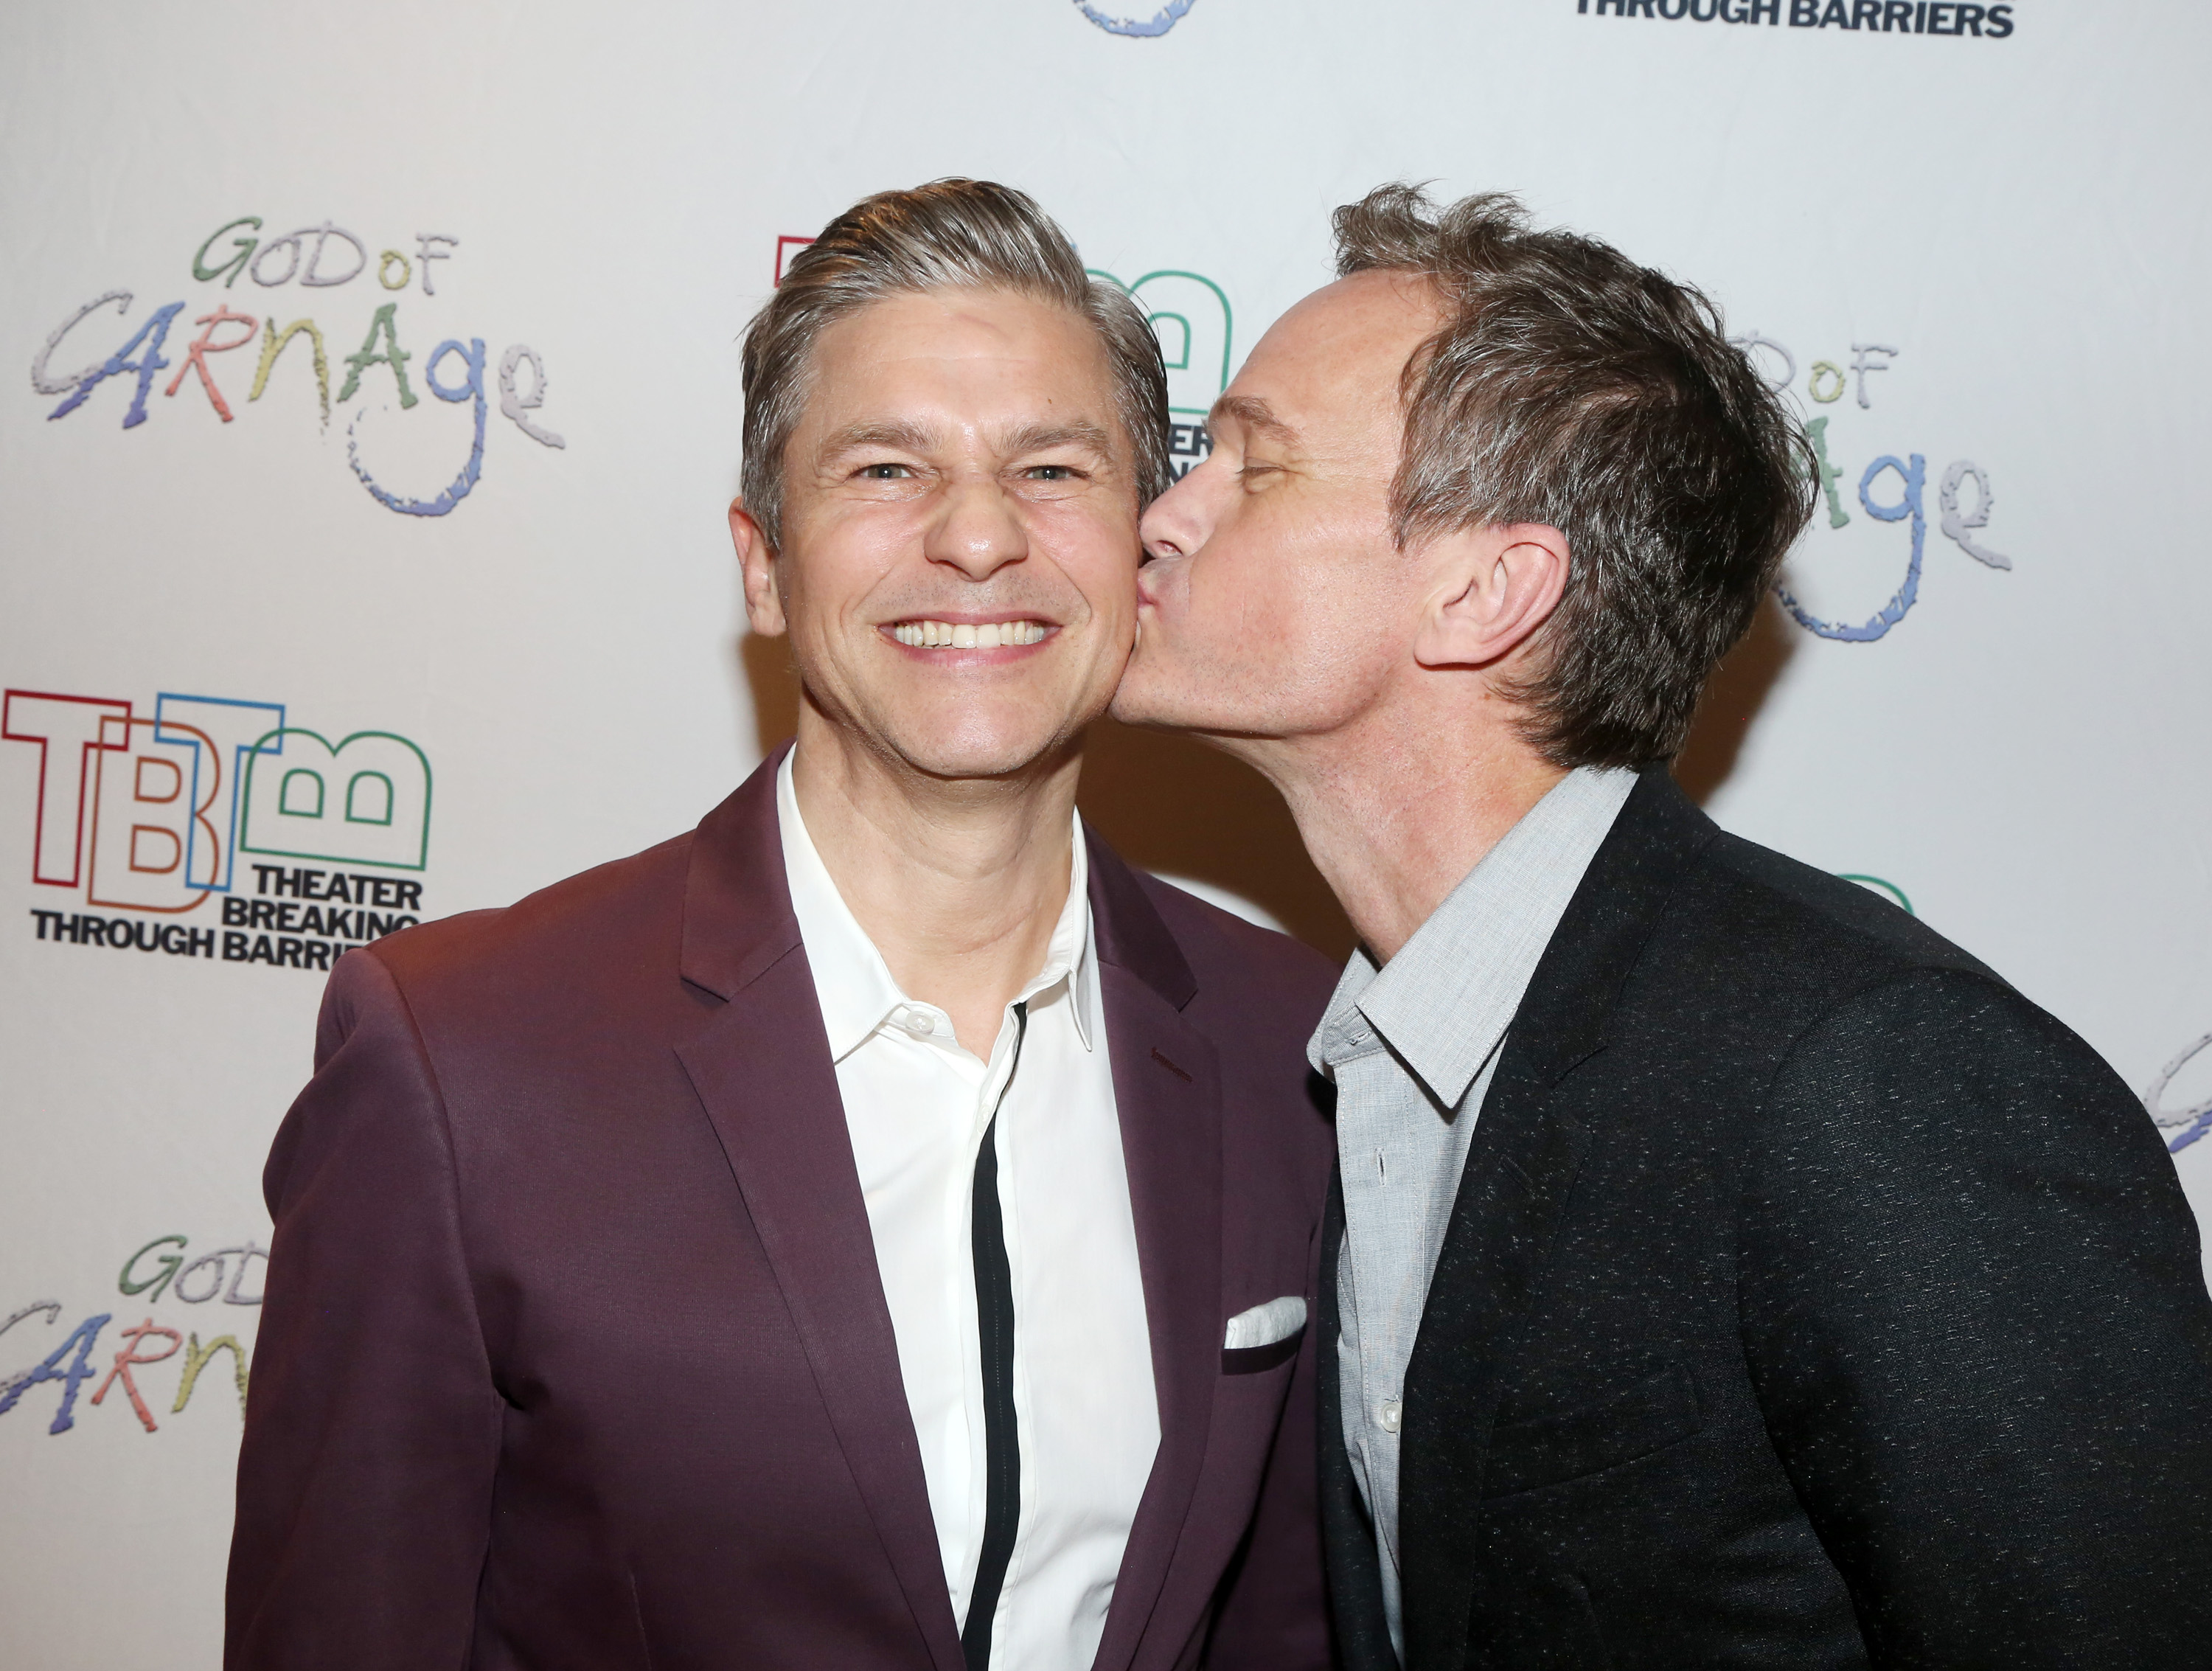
[1390,1415]
[917,1024]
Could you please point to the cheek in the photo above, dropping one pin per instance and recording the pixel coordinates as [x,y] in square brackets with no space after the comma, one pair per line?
[1260,608]
[846,559]
[1099,561]
[1297,624]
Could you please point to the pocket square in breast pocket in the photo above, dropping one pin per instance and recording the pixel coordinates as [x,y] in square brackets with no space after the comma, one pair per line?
[1264,1336]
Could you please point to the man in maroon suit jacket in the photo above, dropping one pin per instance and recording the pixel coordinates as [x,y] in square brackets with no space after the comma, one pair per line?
[599,1320]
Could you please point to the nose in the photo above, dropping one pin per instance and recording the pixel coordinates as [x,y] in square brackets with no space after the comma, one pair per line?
[977,533]
[1173,524]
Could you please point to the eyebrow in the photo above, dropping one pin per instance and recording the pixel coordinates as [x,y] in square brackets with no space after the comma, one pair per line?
[1043,437]
[908,437]
[916,438]
[1254,413]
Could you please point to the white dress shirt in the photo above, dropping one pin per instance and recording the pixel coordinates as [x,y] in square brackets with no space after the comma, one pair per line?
[916,1106]
[1411,1049]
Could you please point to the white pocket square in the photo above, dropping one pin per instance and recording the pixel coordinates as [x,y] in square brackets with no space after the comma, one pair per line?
[1264,1325]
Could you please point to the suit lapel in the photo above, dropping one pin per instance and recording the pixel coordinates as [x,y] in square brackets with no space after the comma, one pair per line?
[1521,1165]
[1167,1091]
[1519,1168]
[1347,1530]
[761,1069]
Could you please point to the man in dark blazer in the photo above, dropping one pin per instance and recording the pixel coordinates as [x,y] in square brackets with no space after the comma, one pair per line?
[1726,1270]
[876,1229]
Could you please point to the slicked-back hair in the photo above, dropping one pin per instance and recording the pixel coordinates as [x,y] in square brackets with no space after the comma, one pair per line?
[959,234]
[1571,388]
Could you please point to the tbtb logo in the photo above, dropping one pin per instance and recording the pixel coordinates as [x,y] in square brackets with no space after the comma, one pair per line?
[151,814]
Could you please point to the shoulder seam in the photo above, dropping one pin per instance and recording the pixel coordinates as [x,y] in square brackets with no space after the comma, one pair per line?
[1755,1127]
[1930,974]
[1767,890]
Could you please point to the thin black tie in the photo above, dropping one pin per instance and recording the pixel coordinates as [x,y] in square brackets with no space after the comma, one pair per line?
[994,1327]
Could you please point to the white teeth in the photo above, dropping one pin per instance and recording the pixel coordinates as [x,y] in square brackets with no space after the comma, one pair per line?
[945,634]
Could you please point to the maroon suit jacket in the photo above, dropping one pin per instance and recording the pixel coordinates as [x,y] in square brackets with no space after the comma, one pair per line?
[574,1354]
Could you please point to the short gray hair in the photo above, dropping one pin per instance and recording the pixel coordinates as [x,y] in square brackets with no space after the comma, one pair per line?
[949,234]
[1571,386]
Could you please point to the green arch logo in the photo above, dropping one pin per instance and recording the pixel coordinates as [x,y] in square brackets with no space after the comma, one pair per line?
[1875,883]
[1191,316]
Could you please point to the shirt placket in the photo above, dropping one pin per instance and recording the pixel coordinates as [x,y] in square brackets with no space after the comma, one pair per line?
[988,1088]
[1367,1115]
[1001,1097]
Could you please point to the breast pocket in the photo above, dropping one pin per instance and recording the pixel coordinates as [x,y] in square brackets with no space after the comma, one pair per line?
[1264,1337]
[1658,1411]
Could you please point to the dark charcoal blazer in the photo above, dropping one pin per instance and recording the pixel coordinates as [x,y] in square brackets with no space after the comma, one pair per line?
[1811,1299]
[574,1353]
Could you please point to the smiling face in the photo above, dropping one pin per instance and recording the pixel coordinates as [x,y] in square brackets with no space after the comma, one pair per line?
[959,533]
[1276,603]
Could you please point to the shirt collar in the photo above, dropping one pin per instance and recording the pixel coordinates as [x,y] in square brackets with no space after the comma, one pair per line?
[851,979]
[1442,1004]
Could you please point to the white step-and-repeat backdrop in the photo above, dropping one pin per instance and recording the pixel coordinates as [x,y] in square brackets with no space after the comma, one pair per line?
[374,408]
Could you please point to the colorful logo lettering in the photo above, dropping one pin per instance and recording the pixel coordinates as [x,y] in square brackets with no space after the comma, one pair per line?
[149,815]
[300,256]
[1121,20]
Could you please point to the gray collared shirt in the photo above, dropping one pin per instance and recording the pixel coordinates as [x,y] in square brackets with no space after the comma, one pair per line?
[1412,1048]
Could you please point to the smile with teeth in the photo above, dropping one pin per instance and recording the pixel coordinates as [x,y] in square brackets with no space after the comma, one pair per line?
[962,635]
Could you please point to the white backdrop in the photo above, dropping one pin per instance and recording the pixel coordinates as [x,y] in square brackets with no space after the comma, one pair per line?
[1961,249]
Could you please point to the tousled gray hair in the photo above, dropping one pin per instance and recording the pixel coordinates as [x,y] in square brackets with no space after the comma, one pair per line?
[1570,386]
[949,234]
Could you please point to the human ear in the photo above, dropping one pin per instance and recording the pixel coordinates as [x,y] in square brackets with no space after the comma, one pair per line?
[1493,587]
[757,559]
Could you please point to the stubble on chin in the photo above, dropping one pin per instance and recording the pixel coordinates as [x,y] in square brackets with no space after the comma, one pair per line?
[1137,698]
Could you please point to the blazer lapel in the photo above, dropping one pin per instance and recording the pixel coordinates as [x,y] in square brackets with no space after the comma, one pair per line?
[1521,1165]
[1167,1090]
[1347,1530]
[761,1069]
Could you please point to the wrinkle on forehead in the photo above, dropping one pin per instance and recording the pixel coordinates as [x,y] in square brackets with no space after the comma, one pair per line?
[900,370]
[1012,439]
[1331,368]
[1370,321]
[984,324]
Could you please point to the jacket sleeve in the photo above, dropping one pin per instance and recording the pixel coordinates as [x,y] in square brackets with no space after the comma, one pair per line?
[1271,1613]
[1979,1332]
[372,1426]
